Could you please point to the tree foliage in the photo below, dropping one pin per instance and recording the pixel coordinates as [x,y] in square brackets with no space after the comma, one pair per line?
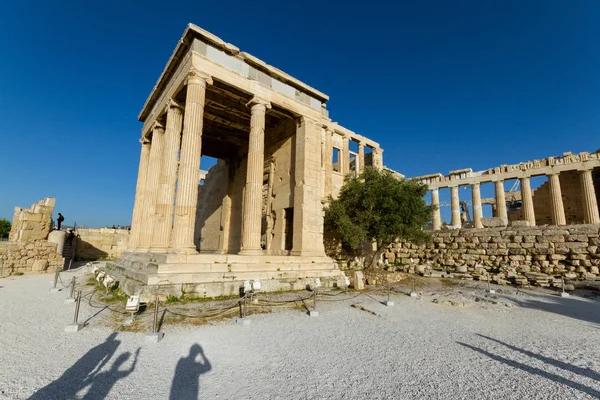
[4,228]
[375,206]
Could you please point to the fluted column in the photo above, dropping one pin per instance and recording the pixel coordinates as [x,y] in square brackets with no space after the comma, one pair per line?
[165,203]
[500,200]
[138,205]
[476,200]
[251,222]
[590,203]
[557,210]
[435,201]
[328,163]
[151,187]
[455,204]
[527,201]
[361,156]
[345,155]
[189,164]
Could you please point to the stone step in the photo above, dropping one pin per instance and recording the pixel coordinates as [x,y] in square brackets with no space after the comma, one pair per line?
[241,267]
[190,278]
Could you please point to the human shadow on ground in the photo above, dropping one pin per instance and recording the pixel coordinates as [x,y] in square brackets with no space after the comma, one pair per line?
[584,310]
[548,360]
[85,372]
[187,374]
[536,371]
[102,383]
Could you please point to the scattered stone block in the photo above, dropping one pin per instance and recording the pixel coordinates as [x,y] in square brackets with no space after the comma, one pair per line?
[243,321]
[359,283]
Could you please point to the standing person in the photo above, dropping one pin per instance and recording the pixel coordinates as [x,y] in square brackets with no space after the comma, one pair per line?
[60,219]
[70,237]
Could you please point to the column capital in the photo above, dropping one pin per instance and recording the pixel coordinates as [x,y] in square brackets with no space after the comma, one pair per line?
[258,101]
[497,180]
[330,126]
[157,126]
[144,140]
[585,169]
[475,184]
[173,104]
[198,77]
[552,173]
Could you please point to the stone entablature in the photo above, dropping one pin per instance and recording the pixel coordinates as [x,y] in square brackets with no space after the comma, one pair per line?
[583,164]
[545,166]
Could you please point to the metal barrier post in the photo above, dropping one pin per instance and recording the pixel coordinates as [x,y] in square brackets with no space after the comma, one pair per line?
[75,326]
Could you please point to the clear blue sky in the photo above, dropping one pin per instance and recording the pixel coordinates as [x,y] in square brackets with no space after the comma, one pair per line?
[441,85]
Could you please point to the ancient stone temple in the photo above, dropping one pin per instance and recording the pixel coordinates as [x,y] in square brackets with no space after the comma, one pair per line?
[570,195]
[257,213]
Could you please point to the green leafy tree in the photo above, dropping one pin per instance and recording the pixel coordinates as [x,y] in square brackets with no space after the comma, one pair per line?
[375,206]
[4,228]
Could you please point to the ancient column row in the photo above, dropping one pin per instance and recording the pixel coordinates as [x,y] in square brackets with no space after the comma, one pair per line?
[167,189]
[557,211]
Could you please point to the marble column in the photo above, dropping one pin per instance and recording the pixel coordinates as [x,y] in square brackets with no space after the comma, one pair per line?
[476,200]
[557,209]
[436,224]
[345,158]
[151,188]
[188,175]
[588,193]
[165,203]
[136,219]
[328,162]
[500,200]
[455,203]
[251,222]
[527,201]
[361,156]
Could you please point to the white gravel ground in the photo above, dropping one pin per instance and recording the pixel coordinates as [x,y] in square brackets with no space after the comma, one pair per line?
[545,348]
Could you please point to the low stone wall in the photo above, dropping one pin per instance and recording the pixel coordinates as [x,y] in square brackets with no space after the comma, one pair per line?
[101,243]
[27,257]
[547,249]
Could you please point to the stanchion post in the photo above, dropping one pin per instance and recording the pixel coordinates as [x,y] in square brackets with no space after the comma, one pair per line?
[412,292]
[75,326]
[71,299]
[155,336]
[563,293]
[55,289]
[244,320]
[388,302]
[314,312]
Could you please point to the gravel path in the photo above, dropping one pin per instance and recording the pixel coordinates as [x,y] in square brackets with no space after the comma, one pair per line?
[508,346]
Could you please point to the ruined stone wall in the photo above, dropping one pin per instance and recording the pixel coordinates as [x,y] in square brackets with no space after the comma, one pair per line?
[546,249]
[101,243]
[29,257]
[33,223]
